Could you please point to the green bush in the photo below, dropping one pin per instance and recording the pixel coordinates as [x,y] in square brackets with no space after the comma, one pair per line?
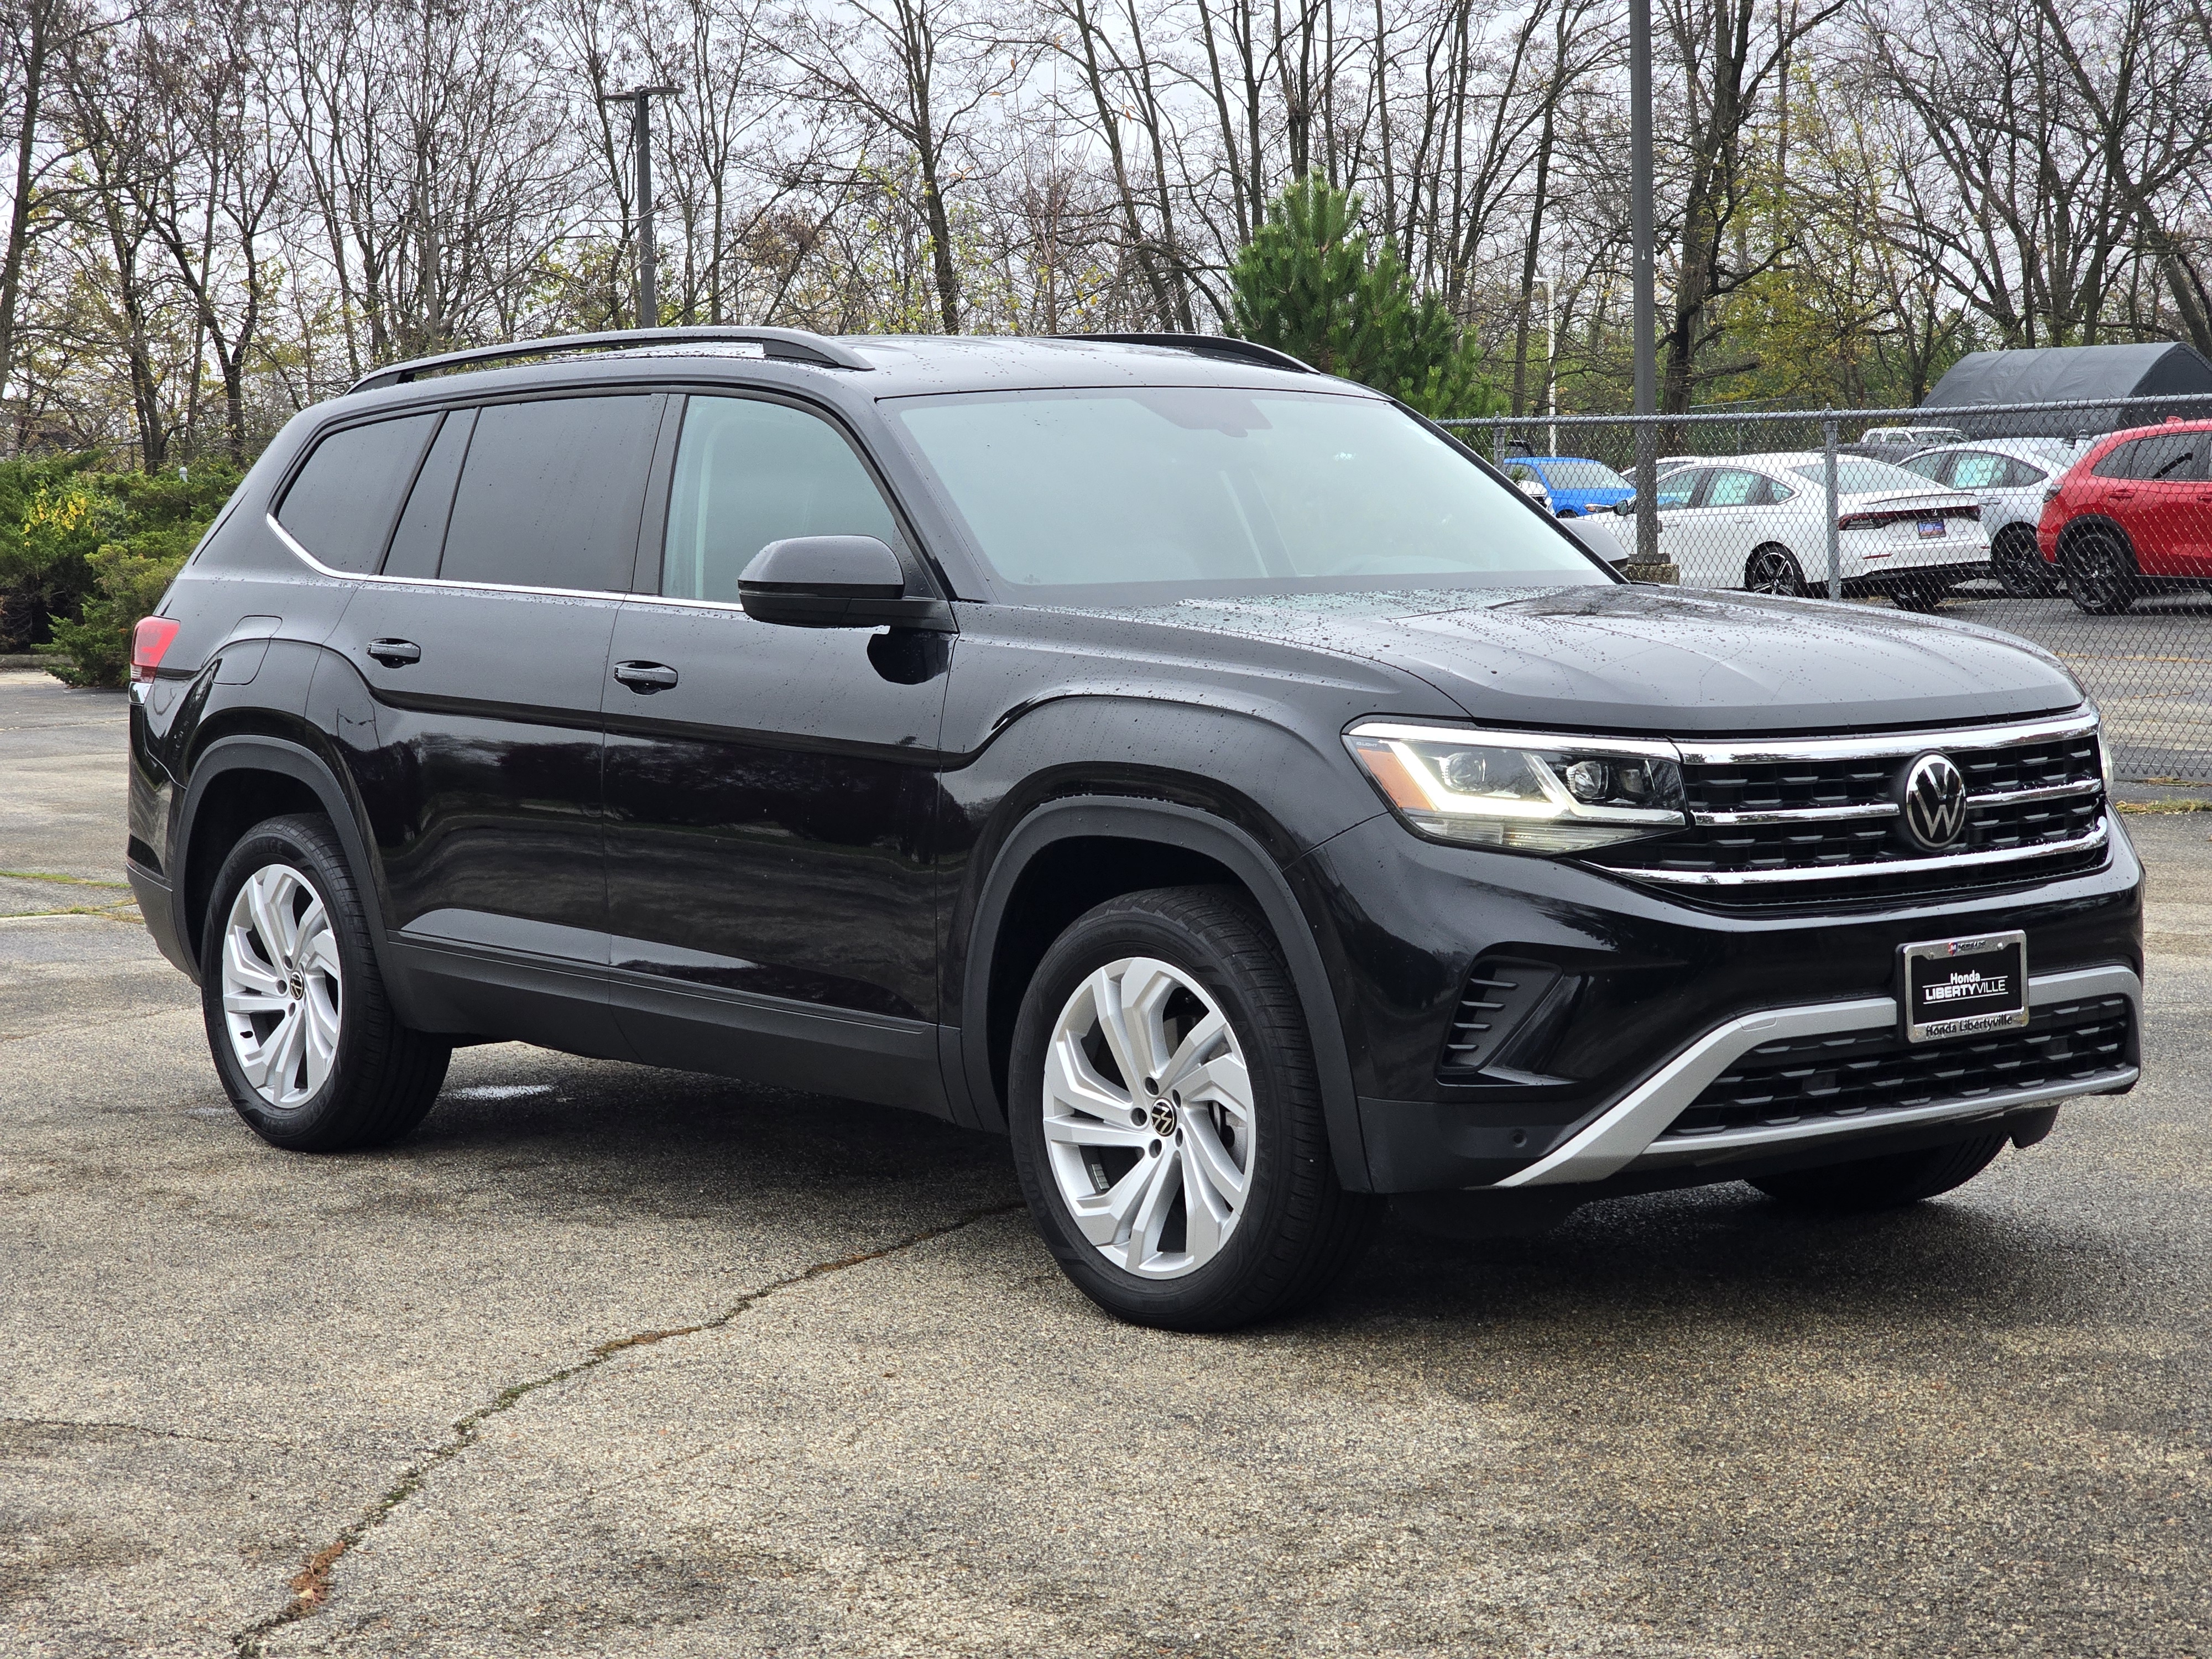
[85,552]
[1311,282]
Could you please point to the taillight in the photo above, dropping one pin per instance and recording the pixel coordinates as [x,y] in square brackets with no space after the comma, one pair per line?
[1858,521]
[148,641]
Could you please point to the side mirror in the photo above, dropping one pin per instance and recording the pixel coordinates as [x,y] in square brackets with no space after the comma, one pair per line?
[834,581]
[1625,508]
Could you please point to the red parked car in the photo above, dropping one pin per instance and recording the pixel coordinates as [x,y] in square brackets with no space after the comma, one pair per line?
[2133,516]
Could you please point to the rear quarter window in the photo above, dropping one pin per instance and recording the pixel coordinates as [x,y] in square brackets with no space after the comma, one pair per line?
[341,504]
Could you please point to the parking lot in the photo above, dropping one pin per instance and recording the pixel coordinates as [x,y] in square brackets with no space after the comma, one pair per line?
[606,1360]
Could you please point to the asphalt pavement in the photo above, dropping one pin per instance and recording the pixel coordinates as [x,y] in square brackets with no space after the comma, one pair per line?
[608,1360]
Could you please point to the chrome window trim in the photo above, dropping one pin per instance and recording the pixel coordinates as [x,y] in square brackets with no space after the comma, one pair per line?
[1888,745]
[2095,838]
[292,543]
[1626,1131]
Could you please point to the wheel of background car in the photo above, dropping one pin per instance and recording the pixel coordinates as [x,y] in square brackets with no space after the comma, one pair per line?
[1773,568]
[304,1036]
[2099,571]
[1925,600]
[1166,1119]
[1885,1183]
[2018,565]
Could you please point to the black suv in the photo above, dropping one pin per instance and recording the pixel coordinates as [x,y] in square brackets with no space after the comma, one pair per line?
[1205,771]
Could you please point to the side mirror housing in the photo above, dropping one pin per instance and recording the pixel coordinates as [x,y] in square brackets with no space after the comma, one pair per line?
[836,581]
[1625,508]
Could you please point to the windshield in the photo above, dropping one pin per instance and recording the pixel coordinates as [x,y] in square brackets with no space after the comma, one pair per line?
[1160,493]
[1857,476]
[1583,475]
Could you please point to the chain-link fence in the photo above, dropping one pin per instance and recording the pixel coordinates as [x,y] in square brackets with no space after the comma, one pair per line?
[2086,528]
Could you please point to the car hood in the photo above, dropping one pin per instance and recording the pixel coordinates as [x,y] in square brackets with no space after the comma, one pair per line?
[1634,658]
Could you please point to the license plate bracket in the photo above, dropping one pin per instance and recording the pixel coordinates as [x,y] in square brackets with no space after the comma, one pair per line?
[1931,528]
[1954,987]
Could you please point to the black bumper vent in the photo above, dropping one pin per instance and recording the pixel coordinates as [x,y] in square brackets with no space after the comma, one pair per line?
[1851,1074]
[1507,1022]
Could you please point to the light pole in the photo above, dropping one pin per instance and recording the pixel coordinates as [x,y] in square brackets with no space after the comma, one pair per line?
[1646,301]
[640,99]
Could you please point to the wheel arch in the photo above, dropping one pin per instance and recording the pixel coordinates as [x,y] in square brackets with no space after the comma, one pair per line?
[235,783]
[2079,530]
[1075,852]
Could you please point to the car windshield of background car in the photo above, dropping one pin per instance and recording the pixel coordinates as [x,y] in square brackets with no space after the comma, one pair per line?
[1856,475]
[1583,475]
[1160,493]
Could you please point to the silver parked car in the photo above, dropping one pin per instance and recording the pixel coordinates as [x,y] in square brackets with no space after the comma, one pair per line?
[2007,477]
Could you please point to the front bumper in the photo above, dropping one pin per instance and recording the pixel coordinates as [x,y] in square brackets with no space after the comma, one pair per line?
[1632,1136]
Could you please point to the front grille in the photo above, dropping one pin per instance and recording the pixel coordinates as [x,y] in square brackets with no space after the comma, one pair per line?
[1856,1074]
[1773,823]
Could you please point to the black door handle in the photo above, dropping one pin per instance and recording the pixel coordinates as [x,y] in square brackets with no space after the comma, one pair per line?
[395,653]
[644,677]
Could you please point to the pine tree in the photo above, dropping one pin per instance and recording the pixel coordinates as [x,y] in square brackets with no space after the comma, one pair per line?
[1311,283]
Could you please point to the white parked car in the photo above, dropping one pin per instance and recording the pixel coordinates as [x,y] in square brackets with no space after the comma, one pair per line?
[1894,443]
[2007,477]
[1761,522]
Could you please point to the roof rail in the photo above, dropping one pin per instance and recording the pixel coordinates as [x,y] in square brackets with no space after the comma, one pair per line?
[1215,345]
[790,344]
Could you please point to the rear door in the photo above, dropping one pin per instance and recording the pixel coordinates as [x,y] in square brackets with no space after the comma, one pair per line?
[482,644]
[771,790]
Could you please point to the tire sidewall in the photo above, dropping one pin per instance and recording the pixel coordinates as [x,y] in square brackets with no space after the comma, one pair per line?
[293,843]
[1194,1299]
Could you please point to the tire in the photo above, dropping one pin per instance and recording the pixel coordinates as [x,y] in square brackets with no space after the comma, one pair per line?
[1774,569]
[350,1074]
[2018,564]
[1885,1183]
[1277,1230]
[2100,572]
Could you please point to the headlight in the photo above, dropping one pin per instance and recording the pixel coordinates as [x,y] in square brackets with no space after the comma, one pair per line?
[1531,794]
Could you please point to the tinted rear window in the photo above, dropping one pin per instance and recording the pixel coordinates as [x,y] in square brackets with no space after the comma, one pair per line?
[340,507]
[550,492]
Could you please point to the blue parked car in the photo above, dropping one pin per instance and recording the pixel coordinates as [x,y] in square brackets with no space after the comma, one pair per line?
[1576,484]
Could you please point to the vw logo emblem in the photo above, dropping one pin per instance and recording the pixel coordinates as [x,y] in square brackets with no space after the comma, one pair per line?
[1935,802]
[1163,1118]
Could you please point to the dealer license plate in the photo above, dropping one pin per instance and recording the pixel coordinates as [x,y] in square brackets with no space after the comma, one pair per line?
[1955,987]
[1931,527]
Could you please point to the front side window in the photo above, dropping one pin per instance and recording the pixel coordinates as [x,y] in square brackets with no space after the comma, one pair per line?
[340,506]
[749,472]
[550,494]
[1159,493]
[1677,489]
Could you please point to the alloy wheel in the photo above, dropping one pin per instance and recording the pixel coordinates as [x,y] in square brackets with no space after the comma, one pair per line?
[1148,1118]
[282,989]
[1773,571]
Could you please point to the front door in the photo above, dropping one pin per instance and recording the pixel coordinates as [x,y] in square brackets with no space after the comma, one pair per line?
[483,648]
[771,790]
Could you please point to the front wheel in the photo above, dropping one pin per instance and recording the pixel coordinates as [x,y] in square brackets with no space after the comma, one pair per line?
[1166,1117]
[304,1037]
[1926,601]
[1885,1183]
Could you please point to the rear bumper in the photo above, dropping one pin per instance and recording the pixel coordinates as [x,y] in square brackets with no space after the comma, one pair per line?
[157,904]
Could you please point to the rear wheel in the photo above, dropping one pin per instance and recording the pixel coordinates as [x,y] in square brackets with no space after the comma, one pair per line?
[2018,564]
[1774,570]
[1926,600]
[303,1036]
[1885,1183]
[2100,572]
[1166,1117]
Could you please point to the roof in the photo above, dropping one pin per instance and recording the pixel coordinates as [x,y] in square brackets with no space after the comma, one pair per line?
[2070,374]
[896,365]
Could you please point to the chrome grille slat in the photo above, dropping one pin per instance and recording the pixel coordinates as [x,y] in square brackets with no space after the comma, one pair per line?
[1824,811]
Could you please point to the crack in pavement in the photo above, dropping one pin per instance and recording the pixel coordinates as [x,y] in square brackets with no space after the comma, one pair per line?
[311,1585]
